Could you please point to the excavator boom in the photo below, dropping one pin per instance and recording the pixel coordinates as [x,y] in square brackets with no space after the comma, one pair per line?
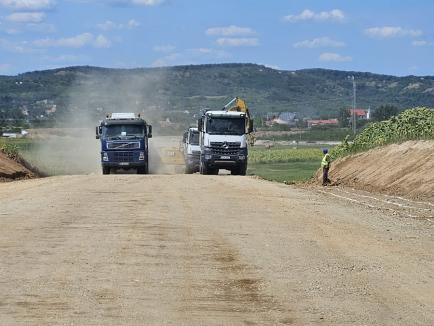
[239,105]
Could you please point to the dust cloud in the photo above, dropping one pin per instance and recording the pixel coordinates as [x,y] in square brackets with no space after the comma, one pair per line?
[70,147]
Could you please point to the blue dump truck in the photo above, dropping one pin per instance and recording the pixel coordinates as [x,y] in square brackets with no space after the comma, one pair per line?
[124,142]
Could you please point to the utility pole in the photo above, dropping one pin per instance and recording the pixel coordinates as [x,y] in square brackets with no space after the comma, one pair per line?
[354,117]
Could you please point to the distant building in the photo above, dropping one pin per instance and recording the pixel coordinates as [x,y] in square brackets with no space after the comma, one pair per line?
[9,135]
[361,114]
[329,122]
[282,118]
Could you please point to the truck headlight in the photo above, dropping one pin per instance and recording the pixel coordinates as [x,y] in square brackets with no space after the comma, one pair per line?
[208,156]
[105,157]
[142,156]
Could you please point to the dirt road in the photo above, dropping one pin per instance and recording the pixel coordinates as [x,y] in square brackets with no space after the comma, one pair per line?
[175,250]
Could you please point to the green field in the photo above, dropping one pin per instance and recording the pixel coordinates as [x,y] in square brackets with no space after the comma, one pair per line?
[284,164]
[284,172]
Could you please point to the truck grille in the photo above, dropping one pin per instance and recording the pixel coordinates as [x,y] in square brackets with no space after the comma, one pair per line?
[225,148]
[196,154]
[123,145]
[122,156]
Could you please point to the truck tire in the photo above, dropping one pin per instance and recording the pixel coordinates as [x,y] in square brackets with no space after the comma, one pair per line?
[213,171]
[203,169]
[105,170]
[243,169]
[235,171]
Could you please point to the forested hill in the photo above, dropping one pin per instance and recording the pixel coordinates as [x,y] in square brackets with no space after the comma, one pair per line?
[181,88]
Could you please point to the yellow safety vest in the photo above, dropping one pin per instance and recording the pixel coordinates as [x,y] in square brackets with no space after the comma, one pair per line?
[326,161]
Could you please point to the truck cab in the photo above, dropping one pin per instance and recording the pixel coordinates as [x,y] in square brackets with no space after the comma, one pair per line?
[191,150]
[223,141]
[124,143]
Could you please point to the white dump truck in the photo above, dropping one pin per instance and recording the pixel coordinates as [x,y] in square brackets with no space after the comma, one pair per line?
[224,137]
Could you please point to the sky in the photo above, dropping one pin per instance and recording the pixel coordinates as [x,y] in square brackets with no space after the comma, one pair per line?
[381,36]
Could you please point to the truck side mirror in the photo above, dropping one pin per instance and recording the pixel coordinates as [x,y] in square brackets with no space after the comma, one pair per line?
[199,124]
[250,126]
[149,131]
[97,130]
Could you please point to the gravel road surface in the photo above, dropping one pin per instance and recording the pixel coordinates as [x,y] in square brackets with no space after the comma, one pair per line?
[209,250]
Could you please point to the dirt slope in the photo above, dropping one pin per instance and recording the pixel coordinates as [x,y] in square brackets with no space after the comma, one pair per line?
[207,250]
[402,169]
[13,169]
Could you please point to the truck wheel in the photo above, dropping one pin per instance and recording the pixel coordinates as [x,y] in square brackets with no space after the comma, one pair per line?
[203,169]
[235,171]
[147,166]
[243,169]
[105,170]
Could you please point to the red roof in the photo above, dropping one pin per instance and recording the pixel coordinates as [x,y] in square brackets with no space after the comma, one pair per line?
[359,112]
[323,122]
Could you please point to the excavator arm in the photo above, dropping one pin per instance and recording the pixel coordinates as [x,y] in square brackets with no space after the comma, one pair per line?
[239,105]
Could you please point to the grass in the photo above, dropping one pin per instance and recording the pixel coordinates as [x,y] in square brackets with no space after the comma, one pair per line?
[281,172]
[284,163]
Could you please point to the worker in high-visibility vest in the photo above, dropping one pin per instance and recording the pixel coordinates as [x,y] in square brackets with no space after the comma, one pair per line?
[325,163]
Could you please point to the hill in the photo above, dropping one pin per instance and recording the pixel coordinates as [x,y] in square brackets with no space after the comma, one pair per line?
[53,94]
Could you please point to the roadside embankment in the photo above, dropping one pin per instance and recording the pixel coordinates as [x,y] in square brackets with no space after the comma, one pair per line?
[405,169]
[15,169]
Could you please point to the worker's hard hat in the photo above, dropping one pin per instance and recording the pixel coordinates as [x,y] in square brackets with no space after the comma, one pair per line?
[325,150]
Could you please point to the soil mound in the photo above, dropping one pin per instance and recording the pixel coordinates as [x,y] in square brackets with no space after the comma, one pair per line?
[15,169]
[405,169]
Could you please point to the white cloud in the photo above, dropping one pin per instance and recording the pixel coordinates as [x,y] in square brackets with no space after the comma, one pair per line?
[147,3]
[108,25]
[164,48]
[233,41]
[420,43]
[102,42]
[132,23]
[231,30]
[332,15]
[15,47]
[391,31]
[78,41]
[321,42]
[334,57]
[26,17]
[28,4]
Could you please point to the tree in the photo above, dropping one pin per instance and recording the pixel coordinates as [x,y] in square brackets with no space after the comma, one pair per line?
[384,112]
[344,118]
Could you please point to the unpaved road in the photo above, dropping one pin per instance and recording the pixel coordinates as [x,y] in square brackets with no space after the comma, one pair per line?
[217,250]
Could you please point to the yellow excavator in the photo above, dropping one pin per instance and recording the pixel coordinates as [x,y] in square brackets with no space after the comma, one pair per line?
[239,105]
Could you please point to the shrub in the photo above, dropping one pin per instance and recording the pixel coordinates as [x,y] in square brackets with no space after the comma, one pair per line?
[412,124]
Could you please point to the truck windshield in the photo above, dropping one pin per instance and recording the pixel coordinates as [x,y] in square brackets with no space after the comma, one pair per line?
[131,131]
[194,138]
[226,126]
